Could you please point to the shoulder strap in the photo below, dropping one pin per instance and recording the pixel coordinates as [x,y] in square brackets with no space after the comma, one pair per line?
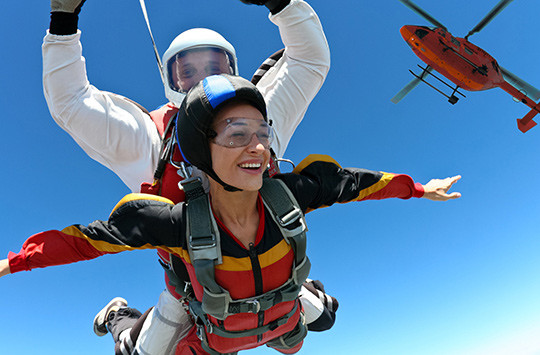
[290,219]
[162,118]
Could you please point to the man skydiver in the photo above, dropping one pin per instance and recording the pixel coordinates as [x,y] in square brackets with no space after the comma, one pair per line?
[117,132]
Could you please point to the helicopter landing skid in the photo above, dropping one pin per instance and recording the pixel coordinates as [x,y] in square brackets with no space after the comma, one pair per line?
[452,98]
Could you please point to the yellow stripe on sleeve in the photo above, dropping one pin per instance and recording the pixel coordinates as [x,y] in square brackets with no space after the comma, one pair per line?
[379,185]
[115,248]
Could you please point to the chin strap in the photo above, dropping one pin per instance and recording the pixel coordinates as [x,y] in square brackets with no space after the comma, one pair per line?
[230,188]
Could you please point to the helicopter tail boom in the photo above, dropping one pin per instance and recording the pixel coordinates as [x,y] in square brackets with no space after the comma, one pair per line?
[525,123]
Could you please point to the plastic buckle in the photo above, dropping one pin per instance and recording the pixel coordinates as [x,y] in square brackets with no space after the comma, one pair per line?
[256,304]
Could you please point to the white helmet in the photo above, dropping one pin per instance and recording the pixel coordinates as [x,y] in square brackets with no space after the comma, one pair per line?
[193,39]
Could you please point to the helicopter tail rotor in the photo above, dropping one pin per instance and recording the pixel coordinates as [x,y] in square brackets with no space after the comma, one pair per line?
[487,19]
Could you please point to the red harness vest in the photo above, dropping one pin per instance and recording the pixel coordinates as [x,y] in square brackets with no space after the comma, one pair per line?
[167,184]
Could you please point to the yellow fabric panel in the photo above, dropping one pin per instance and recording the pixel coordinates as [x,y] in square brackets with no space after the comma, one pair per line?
[312,158]
[234,264]
[244,264]
[381,184]
[139,196]
[113,248]
[276,253]
[184,254]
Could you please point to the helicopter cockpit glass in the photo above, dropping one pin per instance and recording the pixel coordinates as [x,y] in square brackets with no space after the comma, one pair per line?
[441,31]
[455,42]
[421,33]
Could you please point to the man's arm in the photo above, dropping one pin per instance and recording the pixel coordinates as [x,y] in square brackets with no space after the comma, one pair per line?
[292,83]
[111,129]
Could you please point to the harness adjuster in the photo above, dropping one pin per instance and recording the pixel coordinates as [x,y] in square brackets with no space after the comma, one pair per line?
[192,188]
[187,287]
[199,243]
[290,217]
[255,303]
[209,328]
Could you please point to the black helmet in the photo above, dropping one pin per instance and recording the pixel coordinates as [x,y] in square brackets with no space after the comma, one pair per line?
[197,113]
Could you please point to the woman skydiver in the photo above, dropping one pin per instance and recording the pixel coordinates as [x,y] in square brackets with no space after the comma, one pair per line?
[243,243]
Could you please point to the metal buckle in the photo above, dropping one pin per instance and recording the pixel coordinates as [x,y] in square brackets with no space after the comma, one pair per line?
[186,182]
[209,328]
[290,217]
[184,171]
[202,242]
[187,286]
[257,305]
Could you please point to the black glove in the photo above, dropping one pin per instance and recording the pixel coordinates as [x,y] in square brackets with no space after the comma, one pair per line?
[254,2]
[274,6]
[65,16]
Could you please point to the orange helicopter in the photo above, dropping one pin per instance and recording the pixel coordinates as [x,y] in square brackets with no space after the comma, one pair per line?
[468,66]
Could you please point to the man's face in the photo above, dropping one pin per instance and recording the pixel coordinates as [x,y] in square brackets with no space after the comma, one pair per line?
[196,64]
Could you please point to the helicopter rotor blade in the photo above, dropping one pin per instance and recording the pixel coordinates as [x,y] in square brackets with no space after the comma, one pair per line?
[422,13]
[487,19]
[530,91]
[410,86]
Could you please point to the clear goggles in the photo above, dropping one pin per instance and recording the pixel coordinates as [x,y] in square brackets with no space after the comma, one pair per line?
[238,132]
[188,67]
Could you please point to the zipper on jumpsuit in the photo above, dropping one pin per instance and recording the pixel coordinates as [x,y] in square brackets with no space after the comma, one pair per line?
[257,276]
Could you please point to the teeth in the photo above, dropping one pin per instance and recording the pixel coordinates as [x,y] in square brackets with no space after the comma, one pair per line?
[251,165]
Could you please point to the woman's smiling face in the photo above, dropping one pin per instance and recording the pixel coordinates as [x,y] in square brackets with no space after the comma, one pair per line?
[241,167]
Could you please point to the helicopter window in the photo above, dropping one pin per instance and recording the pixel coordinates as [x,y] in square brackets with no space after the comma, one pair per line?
[421,33]
[455,42]
[468,50]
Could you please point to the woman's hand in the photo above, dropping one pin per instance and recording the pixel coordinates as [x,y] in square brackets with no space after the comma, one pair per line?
[4,267]
[436,189]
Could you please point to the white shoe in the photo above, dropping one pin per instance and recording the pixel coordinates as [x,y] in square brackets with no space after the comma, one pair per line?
[100,320]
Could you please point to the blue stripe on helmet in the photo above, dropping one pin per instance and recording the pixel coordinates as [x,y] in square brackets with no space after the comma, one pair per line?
[218,89]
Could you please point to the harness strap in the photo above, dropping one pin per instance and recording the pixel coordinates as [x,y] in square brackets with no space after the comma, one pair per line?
[201,321]
[221,304]
[205,252]
[203,236]
[290,219]
[166,150]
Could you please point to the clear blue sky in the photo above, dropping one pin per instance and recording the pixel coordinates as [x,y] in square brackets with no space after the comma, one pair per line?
[413,277]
